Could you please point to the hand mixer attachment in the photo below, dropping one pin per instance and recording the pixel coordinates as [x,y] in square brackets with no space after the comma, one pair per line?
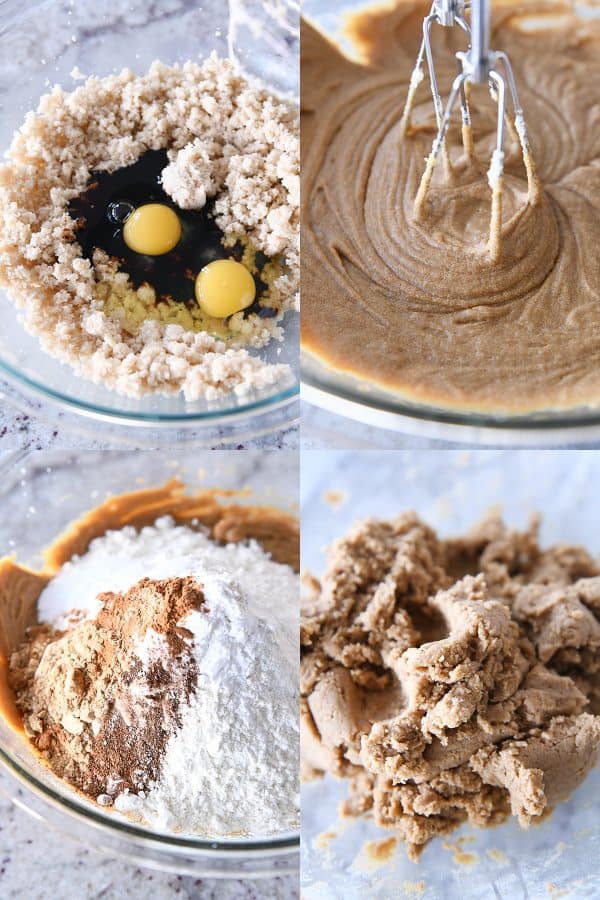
[477,65]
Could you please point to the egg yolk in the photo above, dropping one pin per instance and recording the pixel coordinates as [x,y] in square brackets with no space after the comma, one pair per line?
[224,287]
[153,229]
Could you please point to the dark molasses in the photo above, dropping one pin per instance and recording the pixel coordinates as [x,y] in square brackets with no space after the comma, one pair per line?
[101,211]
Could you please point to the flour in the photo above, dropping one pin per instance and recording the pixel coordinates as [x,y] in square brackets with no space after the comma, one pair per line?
[118,559]
[231,765]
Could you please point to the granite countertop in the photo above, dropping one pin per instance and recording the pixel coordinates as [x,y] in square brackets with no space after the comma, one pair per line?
[95,36]
[37,863]
[30,424]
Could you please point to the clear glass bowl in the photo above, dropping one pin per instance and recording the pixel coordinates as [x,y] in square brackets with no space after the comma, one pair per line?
[40,43]
[452,490]
[355,398]
[41,492]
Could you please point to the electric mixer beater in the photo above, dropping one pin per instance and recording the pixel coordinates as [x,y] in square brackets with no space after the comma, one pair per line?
[477,65]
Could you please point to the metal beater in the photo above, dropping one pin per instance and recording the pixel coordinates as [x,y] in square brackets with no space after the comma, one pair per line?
[477,65]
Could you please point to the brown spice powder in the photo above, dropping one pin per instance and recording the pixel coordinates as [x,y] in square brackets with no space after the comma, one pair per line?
[99,714]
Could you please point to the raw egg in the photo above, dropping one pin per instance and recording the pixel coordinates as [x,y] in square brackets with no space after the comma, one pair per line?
[224,287]
[153,229]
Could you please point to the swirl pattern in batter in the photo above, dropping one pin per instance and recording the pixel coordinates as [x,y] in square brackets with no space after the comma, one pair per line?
[418,307]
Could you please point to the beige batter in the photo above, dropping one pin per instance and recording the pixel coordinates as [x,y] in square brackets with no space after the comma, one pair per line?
[451,680]
[418,307]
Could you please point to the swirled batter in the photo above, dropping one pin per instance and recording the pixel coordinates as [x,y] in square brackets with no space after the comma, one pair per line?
[419,307]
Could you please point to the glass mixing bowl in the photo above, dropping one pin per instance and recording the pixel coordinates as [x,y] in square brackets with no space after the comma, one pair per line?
[40,44]
[41,493]
[346,395]
[451,490]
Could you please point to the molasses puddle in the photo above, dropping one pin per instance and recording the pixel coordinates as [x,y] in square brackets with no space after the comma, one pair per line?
[102,240]
[102,209]
[418,307]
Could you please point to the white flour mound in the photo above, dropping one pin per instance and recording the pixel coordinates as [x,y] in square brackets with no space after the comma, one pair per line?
[232,766]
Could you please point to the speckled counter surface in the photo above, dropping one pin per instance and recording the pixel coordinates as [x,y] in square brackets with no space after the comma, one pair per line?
[27,424]
[100,37]
[37,863]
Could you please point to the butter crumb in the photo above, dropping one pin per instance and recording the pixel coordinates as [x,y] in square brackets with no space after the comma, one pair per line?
[335,499]
[458,854]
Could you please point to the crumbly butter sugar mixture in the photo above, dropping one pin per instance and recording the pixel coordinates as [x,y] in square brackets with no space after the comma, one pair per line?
[418,305]
[451,680]
[230,144]
[163,684]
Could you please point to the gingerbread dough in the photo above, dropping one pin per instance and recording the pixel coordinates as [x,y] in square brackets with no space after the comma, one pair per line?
[451,680]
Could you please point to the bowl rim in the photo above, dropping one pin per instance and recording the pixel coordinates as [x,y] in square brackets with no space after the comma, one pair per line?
[546,427]
[53,800]
[396,414]
[256,847]
[283,392]
[99,412]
